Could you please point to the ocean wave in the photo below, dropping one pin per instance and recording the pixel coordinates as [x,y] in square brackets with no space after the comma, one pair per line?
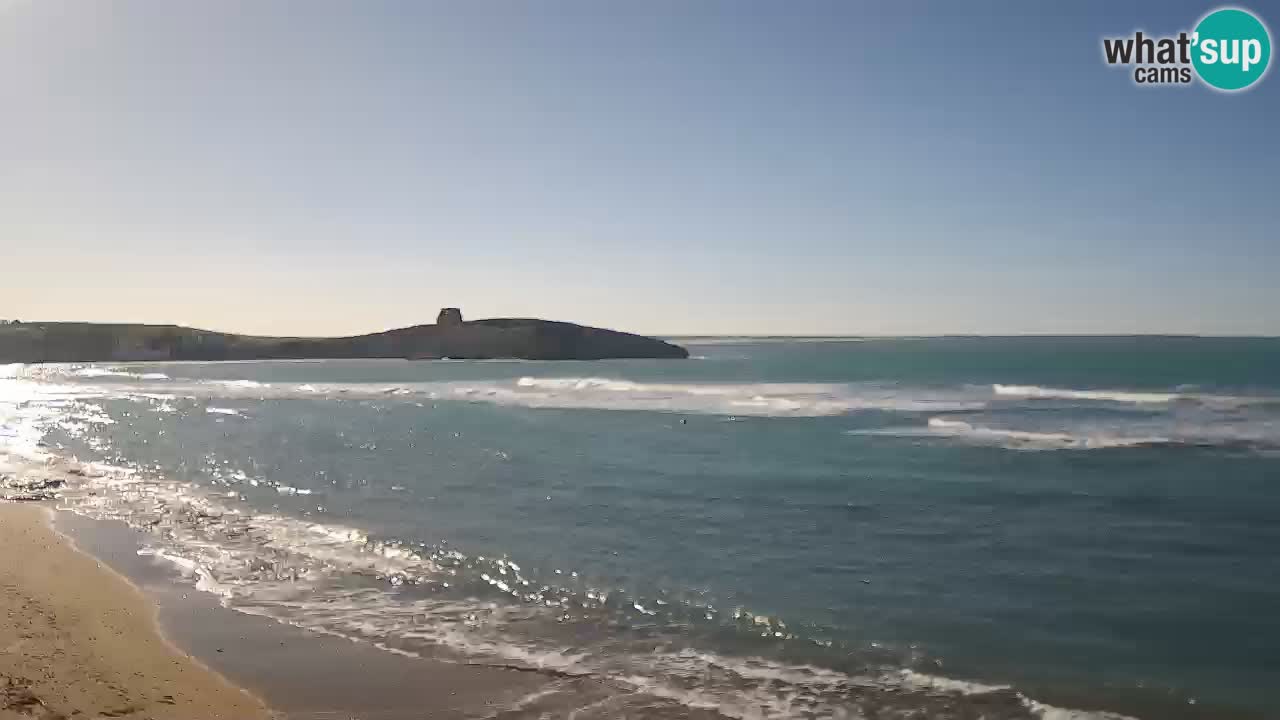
[210,533]
[768,399]
[1035,391]
[300,573]
[336,579]
[56,372]
[96,372]
[764,398]
[747,687]
[1135,397]
[1031,440]
[749,399]
[1255,436]
[603,393]
[756,399]
[252,384]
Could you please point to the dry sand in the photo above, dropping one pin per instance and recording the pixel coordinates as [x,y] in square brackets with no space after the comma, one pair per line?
[78,641]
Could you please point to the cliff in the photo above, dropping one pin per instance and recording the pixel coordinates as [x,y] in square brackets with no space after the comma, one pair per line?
[450,337]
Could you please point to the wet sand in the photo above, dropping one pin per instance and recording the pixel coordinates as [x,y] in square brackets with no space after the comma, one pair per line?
[78,640]
[94,629]
[308,676]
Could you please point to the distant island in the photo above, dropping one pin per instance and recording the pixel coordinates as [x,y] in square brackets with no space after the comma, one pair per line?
[449,337]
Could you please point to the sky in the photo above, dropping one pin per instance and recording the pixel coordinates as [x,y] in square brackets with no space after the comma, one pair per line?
[664,167]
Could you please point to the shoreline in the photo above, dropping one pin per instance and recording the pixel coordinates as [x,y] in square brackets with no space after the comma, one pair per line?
[81,640]
[298,673]
[310,675]
[260,667]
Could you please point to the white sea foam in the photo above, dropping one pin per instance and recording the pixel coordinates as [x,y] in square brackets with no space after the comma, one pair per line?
[738,687]
[601,393]
[1042,711]
[759,399]
[1137,397]
[221,411]
[1204,431]
[1049,712]
[1122,396]
[796,399]
[1031,440]
[298,571]
[924,681]
[238,383]
[1012,439]
[93,372]
[202,576]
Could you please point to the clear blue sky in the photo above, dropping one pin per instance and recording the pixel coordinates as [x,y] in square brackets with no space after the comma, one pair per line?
[664,167]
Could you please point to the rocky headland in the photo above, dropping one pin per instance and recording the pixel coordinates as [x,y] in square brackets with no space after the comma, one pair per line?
[449,337]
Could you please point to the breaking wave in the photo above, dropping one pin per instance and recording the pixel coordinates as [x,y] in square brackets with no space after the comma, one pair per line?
[1242,436]
[1035,391]
[1125,396]
[601,393]
[752,399]
[308,574]
[434,601]
[244,384]
[96,372]
[1023,439]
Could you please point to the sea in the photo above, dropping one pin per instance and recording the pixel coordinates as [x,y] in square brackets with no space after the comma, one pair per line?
[1061,528]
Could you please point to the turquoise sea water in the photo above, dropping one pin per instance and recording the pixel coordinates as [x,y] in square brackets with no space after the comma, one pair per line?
[953,527]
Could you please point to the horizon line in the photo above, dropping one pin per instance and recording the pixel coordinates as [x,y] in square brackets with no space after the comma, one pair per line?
[724,336]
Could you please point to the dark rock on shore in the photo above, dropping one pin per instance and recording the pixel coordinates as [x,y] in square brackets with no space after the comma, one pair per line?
[17,490]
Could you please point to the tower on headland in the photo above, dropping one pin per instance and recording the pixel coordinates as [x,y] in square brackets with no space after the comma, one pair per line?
[449,316]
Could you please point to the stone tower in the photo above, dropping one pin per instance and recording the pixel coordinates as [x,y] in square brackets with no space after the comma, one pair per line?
[449,316]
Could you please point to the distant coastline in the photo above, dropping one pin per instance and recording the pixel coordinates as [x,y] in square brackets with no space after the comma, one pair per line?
[764,339]
[449,337]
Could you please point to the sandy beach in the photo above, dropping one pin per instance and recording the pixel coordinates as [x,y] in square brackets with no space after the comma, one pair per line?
[80,641]
[95,630]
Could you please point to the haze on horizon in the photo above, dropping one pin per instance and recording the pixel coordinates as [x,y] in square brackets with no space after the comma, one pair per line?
[661,167]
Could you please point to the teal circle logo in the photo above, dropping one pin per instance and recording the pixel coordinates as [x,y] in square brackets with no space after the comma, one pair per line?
[1231,49]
